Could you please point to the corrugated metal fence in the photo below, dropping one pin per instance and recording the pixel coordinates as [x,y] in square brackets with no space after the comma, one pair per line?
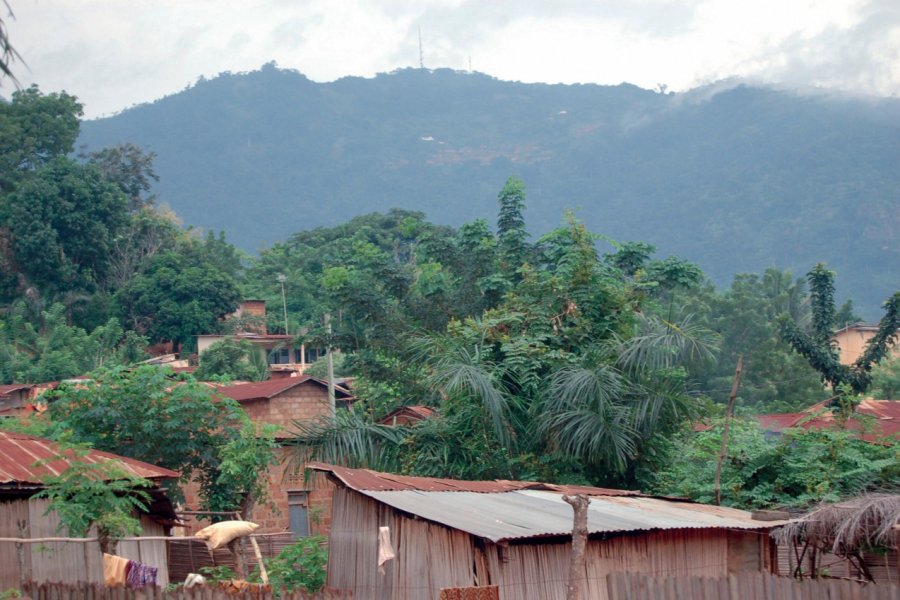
[746,586]
[92,591]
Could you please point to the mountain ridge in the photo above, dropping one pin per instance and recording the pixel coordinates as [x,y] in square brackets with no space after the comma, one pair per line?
[736,179]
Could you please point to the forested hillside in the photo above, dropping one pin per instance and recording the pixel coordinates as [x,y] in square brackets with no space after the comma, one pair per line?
[542,358]
[737,179]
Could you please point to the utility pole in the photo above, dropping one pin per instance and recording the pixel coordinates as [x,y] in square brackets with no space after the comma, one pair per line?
[281,280]
[728,412]
[331,403]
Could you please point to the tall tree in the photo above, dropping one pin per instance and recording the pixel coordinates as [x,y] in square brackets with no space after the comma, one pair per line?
[182,293]
[129,167]
[62,222]
[34,129]
[511,234]
[775,378]
[817,344]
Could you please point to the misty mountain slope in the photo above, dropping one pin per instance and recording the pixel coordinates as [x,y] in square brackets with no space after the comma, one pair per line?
[737,179]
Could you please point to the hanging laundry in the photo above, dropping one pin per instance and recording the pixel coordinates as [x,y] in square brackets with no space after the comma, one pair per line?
[385,549]
[141,575]
[115,569]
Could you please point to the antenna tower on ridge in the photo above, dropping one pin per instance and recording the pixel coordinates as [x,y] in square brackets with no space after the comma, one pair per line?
[421,54]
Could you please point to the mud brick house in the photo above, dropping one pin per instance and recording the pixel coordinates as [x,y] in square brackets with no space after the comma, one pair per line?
[302,506]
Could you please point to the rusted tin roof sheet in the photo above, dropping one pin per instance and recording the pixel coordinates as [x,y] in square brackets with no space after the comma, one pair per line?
[20,452]
[263,390]
[413,413]
[364,479]
[7,389]
[884,414]
[524,514]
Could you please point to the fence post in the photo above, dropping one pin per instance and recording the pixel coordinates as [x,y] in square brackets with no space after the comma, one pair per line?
[20,553]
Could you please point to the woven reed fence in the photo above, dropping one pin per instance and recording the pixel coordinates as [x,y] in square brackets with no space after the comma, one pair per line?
[189,555]
[746,586]
[93,591]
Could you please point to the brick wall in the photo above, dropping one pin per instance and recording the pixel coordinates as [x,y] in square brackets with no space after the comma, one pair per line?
[303,402]
[273,516]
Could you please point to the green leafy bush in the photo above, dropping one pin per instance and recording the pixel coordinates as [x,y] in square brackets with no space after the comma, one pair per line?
[300,566]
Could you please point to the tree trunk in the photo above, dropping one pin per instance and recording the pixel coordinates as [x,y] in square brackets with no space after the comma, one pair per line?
[579,542]
[237,550]
[107,542]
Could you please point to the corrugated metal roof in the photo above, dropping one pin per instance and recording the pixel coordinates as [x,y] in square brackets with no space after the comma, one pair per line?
[264,390]
[14,387]
[20,452]
[886,414]
[364,479]
[418,413]
[523,514]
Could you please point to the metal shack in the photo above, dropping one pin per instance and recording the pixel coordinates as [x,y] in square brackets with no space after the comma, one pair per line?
[517,535]
[24,463]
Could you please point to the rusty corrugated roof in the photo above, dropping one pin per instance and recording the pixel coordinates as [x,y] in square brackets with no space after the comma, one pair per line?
[263,390]
[417,413]
[14,387]
[367,480]
[20,452]
[885,415]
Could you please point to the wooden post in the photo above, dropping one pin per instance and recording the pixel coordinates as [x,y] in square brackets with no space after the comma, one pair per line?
[580,505]
[330,362]
[20,554]
[728,411]
[263,574]
[234,546]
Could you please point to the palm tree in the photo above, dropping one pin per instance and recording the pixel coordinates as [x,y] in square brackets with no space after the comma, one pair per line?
[600,411]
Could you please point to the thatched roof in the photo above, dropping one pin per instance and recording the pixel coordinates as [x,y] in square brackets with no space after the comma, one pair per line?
[848,526]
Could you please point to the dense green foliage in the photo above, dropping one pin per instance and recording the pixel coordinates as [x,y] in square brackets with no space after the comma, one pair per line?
[775,378]
[560,379]
[301,566]
[797,468]
[817,347]
[35,129]
[88,266]
[544,359]
[177,423]
[61,224]
[886,379]
[105,495]
[238,360]
[44,348]
[733,177]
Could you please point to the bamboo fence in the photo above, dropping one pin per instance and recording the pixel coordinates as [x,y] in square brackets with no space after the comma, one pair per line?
[92,591]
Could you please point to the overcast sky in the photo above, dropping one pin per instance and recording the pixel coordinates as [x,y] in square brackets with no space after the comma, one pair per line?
[116,53]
